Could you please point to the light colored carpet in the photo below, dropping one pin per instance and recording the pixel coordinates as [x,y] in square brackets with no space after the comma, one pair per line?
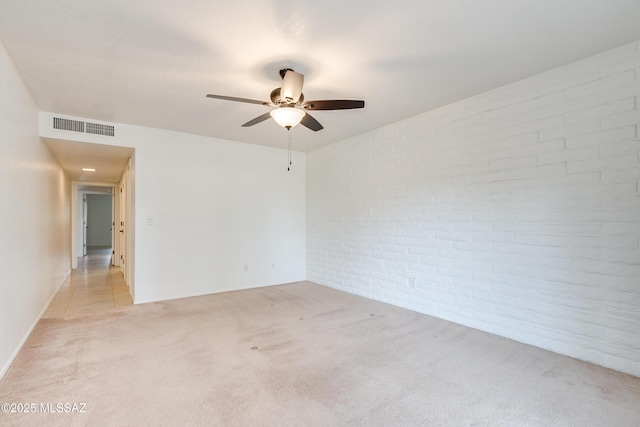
[302,355]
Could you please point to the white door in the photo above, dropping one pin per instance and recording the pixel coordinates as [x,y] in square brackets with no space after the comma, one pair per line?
[123,240]
[113,228]
[84,224]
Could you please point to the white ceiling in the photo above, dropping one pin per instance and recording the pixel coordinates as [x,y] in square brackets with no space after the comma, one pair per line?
[108,161]
[151,62]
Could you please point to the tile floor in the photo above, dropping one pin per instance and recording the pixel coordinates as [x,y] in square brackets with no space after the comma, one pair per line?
[94,287]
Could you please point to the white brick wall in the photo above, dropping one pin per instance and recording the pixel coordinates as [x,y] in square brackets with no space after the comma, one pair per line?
[516,211]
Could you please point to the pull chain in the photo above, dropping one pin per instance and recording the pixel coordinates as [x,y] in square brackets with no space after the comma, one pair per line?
[289,149]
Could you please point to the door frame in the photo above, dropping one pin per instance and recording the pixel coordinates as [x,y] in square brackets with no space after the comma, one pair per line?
[85,208]
[122,225]
[77,200]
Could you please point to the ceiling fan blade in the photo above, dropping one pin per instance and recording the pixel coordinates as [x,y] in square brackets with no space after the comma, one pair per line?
[333,104]
[311,123]
[246,100]
[257,120]
[292,86]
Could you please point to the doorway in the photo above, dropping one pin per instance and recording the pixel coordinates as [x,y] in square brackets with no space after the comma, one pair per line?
[96,218]
[98,223]
[93,166]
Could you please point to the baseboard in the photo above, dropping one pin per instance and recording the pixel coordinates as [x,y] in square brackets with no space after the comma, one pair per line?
[211,292]
[13,356]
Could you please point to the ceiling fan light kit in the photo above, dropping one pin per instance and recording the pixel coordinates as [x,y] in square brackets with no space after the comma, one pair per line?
[287,116]
[291,104]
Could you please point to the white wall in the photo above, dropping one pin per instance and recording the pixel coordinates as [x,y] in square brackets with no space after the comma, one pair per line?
[517,211]
[34,218]
[99,213]
[216,206]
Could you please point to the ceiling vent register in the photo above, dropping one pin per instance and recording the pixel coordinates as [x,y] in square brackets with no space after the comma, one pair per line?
[82,127]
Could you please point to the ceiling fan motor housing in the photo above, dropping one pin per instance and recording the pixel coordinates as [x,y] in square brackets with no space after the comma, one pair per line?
[277,99]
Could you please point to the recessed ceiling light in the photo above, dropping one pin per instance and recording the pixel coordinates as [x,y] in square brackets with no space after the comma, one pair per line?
[88,169]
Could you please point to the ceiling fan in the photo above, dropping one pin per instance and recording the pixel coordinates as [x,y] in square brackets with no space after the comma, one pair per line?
[291,106]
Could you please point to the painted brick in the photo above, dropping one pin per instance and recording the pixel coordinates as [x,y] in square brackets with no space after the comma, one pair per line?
[516,210]
[631,174]
[626,148]
[604,137]
[606,111]
[611,82]
[618,120]
[568,130]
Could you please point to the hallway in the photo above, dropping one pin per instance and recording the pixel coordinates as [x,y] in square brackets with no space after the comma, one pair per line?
[94,287]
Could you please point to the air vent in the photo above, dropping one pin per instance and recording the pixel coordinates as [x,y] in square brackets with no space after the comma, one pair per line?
[66,124]
[79,126]
[98,129]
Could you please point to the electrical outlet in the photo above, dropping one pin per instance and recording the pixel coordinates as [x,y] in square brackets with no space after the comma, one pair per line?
[246,268]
